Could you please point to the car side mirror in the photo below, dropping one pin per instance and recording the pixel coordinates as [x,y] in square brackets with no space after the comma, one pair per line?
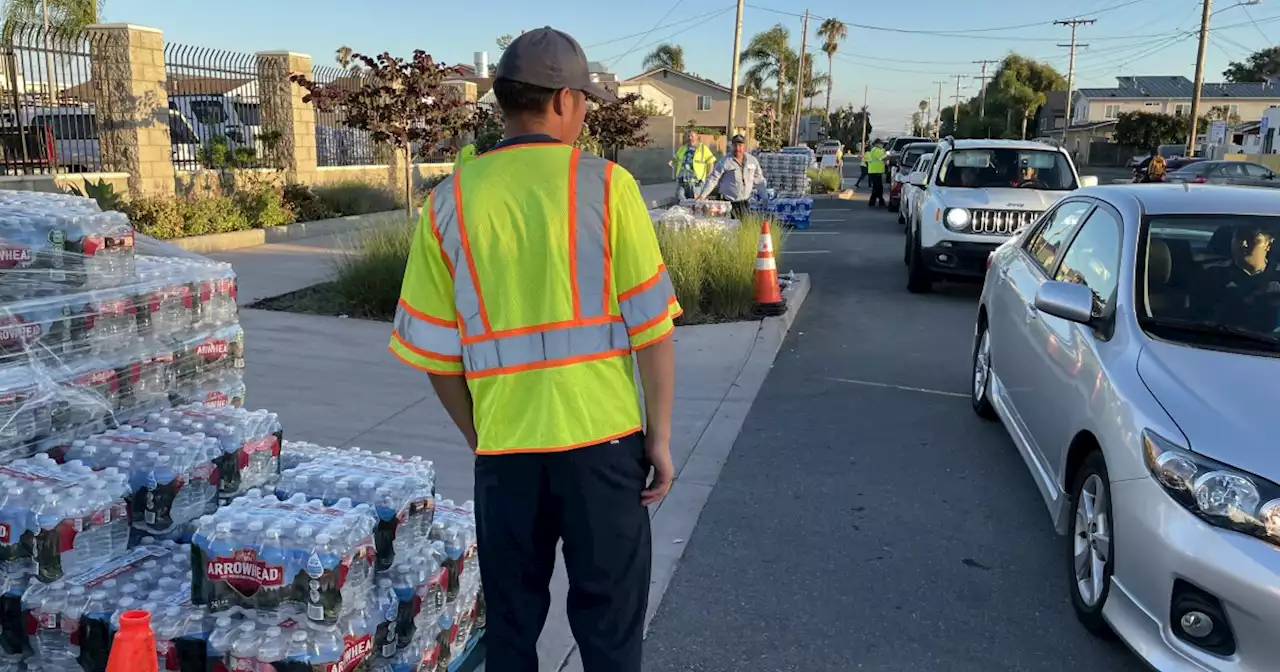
[1089,181]
[917,179]
[1067,300]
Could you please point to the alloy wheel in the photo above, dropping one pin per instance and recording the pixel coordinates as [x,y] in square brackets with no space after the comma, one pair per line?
[982,365]
[1092,545]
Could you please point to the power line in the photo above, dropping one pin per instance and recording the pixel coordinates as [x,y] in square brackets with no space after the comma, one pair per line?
[667,38]
[673,24]
[655,27]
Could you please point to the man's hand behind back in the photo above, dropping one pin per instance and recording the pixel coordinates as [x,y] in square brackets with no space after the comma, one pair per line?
[658,454]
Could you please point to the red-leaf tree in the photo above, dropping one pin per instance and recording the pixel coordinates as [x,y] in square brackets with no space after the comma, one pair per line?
[618,125]
[403,103]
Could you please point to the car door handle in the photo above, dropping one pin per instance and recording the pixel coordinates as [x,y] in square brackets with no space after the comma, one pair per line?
[1032,313]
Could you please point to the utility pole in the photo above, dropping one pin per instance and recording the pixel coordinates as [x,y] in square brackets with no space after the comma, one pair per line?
[982,108]
[955,109]
[863,149]
[733,86]
[804,43]
[1071,63]
[937,122]
[1195,93]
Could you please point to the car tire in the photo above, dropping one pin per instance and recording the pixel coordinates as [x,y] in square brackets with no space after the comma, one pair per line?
[1090,561]
[906,247]
[901,218]
[919,280]
[980,389]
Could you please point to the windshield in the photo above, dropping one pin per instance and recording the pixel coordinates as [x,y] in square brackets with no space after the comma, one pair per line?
[1007,167]
[1212,281]
[899,143]
[1172,150]
[910,157]
[250,113]
[209,112]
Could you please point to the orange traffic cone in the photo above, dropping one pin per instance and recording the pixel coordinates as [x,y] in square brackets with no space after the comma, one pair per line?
[134,646]
[769,299]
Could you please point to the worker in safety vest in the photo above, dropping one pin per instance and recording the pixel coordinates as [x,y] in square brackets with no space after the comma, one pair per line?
[465,156]
[875,171]
[692,163]
[533,281]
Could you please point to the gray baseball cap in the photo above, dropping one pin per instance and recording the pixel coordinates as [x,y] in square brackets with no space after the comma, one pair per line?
[551,59]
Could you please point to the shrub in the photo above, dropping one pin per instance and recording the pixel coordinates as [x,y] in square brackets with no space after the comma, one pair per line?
[103,192]
[357,198]
[212,213]
[824,180]
[263,205]
[155,217]
[712,270]
[305,204]
[369,277]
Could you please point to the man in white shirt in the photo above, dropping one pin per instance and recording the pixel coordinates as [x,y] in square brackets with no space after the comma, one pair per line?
[736,176]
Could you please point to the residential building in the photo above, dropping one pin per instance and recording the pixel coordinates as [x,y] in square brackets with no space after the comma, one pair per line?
[691,99]
[1051,118]
[1171,94]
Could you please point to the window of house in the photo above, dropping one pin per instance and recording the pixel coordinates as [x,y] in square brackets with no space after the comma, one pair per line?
[1181,108]
[704,103]
[1111,111]
[1151,104]
[1233,110]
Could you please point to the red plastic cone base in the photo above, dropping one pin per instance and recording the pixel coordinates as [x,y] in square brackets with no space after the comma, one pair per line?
[134,646]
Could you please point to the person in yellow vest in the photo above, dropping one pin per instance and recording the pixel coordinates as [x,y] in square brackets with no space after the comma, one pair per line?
[692,162]
[465,156]
[875,171]
[534,280]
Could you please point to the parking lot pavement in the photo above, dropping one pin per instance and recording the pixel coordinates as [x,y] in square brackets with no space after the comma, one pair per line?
[866,519]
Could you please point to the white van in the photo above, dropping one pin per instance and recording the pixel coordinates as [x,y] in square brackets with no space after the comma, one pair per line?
[232,117]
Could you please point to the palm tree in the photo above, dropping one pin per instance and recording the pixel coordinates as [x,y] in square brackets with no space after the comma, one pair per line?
[665,56]
[923,106]
[66,15]
[766,56]
[832,32]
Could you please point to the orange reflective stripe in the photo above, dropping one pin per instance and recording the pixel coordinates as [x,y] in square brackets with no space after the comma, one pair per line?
[557,449]
[573,231]
[546,364]
[423,351]
[423,367]
[435,231]
[423,316]
[539,328]
[466,251]
[653,280]
[608,260]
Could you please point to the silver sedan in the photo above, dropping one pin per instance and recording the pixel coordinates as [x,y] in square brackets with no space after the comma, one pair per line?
[1129,340]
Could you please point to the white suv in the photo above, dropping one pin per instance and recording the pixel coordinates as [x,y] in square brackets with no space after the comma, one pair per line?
[976,195]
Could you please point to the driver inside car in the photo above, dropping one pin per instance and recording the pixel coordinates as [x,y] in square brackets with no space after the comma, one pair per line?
[1242,290]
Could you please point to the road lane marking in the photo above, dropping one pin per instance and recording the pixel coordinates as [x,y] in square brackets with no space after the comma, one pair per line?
[826,221]
[806,251]
[813,233]
[904,388]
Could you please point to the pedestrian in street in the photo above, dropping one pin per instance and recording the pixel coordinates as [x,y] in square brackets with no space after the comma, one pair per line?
[862,170]
[692,163]
[875,172]
[533,280]
[736,175]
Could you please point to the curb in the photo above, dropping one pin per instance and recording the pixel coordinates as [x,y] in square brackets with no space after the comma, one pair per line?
[221,242]
[676,517]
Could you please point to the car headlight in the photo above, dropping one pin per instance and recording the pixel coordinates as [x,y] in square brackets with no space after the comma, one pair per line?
[957,219]
[1218,494]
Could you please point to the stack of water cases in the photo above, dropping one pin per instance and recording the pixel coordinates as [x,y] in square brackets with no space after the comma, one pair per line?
[131,477]
[787,172]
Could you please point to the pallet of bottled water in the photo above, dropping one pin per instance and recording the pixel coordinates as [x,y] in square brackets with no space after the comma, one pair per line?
[787,171]
[249,441]
[791,210]
[681,217]
[399,491]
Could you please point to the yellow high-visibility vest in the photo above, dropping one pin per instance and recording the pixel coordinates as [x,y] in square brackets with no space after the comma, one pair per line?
[536,274]
[702,160]
[875,160]
[465,155]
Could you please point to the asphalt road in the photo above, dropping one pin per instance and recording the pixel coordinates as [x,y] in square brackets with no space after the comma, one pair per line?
[866,519]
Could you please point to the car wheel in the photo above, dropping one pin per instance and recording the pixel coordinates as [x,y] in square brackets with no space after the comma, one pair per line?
[919,280]
[1090,562]
[980,391]
[906,247]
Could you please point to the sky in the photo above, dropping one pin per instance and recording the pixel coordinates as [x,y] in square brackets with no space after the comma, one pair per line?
[895,51]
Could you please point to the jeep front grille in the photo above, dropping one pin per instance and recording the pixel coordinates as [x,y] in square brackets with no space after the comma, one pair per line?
[1000,222]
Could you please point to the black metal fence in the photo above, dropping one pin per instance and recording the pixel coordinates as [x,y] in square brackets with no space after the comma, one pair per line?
[215,118]
[48,122]
[338,144]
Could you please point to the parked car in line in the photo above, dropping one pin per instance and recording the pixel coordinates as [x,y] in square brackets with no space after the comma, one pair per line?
[1129,343]
[893,148]
[71,137]
[912,189]
[907,158]
[979,193]
[1223,172]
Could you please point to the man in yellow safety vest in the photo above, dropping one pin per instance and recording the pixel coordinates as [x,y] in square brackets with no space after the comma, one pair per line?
[692,163]
[875,170]
[533,280]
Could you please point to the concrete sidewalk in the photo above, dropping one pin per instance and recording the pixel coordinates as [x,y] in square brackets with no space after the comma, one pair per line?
[279,268]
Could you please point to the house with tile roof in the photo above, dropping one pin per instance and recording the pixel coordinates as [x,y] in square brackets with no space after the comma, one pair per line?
[690,98]
[1171,94]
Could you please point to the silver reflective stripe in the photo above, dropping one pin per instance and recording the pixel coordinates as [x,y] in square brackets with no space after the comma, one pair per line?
[591,243]
[547,346]
[423,335]
[465,296]
[649,304]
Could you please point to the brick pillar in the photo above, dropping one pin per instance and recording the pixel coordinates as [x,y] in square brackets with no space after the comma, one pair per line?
[283,110]
[127,68]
